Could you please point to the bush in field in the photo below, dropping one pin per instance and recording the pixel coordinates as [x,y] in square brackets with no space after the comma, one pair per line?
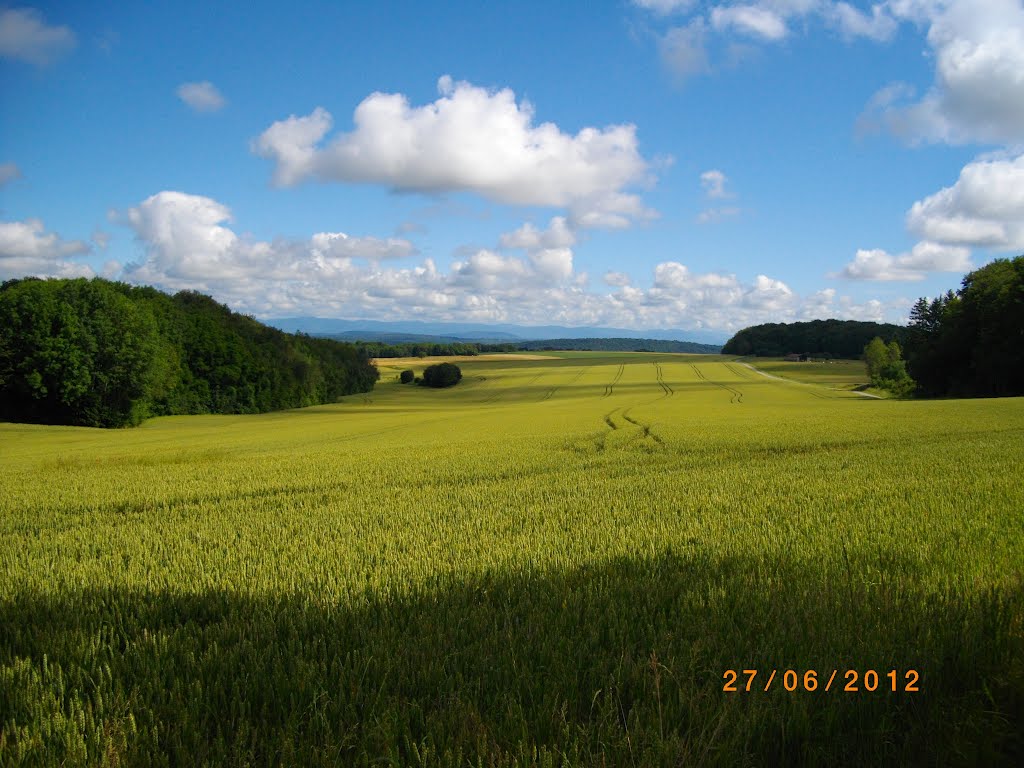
[887,367]
[441,375]
[407,377]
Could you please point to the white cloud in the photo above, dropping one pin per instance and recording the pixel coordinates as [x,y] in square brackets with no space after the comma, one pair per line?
[713,183]
[665,7]
[469,139]
[752,20]
[985,208]
[818,304]
[8,173]
[978,93]
[552,263]
[27,249]
[487,271]
[549,250]
[202,97]
[184,237]
[852,22]
[341,246]
[684,46]
[24,35]
[925,257]
[557,235]
[188,244]
[614,210]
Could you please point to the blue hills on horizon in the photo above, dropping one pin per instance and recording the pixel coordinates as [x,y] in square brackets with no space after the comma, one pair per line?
[479,332]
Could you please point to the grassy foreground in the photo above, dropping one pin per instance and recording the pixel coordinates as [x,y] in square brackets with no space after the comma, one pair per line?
[553,563]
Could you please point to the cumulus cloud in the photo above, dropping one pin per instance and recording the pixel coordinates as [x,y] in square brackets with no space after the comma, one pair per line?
[469,139]
[984,208]
[8,173]
[187,242]
[718,300]
[852,22]
[978,93]
[340,245]
[549,250]
[558,234]
[752,20]
[25,35]
[27,249]
[202,96]
[187,245]
[924,258]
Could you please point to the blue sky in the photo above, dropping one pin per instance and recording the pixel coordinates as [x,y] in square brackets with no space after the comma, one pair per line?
[649,164]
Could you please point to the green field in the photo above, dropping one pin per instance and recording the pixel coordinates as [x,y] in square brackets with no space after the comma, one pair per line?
[835,374]
[553,563]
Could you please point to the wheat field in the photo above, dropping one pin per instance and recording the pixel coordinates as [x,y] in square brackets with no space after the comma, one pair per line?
[555,562]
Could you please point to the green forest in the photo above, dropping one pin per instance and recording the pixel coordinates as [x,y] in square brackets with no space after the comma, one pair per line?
[104,354]
[971,343]
[425,348]
[817,338]
[966,343]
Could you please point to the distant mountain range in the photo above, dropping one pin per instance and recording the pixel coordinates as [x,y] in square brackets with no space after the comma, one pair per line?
[413,330]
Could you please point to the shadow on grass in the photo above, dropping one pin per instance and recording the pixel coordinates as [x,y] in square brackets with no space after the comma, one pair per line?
[620,663]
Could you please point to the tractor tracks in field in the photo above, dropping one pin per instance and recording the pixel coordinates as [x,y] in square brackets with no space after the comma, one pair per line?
[602,438]
[551,390]
[609,389]
[740,372]
[609,420]
[577,377]
[600,442]
[614,418]
[497,393]
[644,428]
[660,376]
[736,396]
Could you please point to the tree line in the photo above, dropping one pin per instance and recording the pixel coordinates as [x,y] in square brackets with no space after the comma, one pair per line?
[105,354]
[970,343]
[375,349]
[469,349]
[825,339]
[620,345]
[965,343]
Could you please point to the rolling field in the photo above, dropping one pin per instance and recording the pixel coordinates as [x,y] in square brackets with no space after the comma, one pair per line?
[554,563]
